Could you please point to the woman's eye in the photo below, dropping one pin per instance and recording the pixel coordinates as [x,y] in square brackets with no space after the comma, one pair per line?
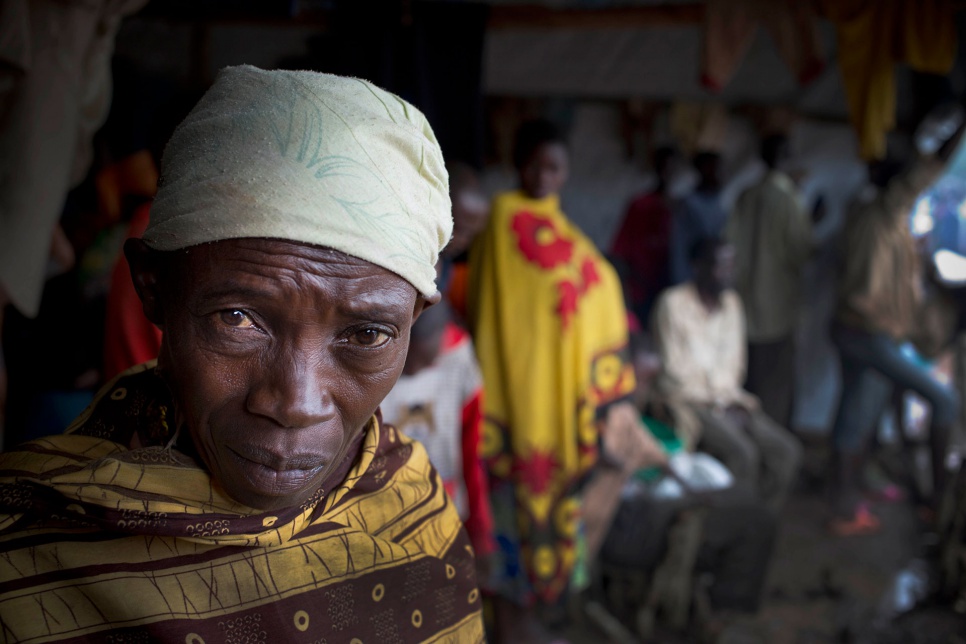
[236,318]
[370,338]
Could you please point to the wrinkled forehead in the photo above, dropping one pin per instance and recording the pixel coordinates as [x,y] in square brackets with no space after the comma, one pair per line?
[242,259]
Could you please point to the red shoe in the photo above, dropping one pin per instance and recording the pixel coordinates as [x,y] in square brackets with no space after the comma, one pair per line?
[862,523]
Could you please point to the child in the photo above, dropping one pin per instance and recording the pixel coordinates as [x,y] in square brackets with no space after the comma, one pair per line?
[438,401]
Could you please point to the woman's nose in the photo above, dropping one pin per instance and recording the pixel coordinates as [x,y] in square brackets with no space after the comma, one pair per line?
[294,392]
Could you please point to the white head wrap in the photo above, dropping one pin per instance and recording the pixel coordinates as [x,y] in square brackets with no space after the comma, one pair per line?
[307,157]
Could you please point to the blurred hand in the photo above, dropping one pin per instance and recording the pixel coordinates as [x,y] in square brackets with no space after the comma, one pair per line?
[738,415]
[628,442]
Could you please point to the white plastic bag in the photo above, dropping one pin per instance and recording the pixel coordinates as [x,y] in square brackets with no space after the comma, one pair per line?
[700,472]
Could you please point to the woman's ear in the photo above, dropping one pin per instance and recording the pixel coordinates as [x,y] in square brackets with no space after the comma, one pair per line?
[423,303]
[146,267]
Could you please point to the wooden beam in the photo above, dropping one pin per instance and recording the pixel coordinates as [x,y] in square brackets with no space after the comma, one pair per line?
[535,16]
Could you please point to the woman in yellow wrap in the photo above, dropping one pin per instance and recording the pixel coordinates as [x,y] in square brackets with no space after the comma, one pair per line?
[550,329]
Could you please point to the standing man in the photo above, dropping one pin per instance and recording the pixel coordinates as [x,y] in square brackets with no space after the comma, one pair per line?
[879,305]
[697,215]
[772,235]
[700,335]
[641,247]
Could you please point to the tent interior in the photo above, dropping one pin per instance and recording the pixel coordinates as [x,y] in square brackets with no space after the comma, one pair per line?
[623,78]
[619,75]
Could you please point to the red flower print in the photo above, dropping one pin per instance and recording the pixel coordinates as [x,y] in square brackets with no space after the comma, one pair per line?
[569,298]
[589,274]
[537,472]
[539,240]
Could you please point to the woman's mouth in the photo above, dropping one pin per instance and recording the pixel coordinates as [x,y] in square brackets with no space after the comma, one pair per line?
[275,475]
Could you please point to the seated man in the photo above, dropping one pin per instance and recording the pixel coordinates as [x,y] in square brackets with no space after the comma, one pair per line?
[640,249]
[438,401]
[244,487]
[738,532]
[700,334]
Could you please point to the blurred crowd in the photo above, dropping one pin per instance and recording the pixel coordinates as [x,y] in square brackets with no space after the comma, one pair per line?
[600,417]
[613,424]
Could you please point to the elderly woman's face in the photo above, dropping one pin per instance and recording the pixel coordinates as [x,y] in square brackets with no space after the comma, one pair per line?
[278,354]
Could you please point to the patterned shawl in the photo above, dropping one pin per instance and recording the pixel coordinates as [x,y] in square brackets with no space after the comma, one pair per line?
[551,336]
[103,543]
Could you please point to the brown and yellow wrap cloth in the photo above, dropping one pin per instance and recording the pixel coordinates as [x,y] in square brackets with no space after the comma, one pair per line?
[109,544]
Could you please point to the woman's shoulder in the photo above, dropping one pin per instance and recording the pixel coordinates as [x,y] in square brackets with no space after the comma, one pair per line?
[132,409]
[504,203]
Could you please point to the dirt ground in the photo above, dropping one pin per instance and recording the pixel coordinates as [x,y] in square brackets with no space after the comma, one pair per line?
[824,589]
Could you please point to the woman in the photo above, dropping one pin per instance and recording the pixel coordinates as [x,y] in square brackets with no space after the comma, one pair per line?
[549,324]
[243,488]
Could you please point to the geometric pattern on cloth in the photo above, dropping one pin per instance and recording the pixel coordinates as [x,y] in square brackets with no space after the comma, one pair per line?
[102,543]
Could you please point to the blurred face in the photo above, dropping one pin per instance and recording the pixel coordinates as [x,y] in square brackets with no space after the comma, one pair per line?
[470,213]
[422,353]
[668,170]
[783,154]
[647,366]
[545,172]
[716,275]
[277,353]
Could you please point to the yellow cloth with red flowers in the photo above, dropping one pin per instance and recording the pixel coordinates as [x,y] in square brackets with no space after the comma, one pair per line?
[550,329]
[104,543]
